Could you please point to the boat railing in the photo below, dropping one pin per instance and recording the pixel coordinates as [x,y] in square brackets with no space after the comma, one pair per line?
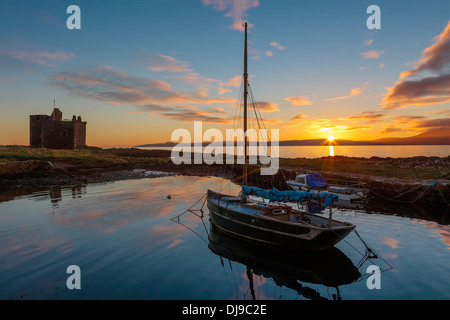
[347,183]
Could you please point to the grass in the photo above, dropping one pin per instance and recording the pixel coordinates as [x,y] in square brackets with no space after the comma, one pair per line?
[85,157]
[92,157]
[407,168]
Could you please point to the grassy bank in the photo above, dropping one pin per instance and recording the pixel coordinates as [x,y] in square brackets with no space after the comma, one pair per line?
[416,168]
[86,157]
[92,159]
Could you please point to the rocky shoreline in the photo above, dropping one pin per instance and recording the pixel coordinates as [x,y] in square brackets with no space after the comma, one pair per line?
[77,168]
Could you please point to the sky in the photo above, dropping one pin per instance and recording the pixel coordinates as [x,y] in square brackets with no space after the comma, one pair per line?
[138,70]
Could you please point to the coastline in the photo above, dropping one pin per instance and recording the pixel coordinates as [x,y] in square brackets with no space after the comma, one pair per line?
[385,177]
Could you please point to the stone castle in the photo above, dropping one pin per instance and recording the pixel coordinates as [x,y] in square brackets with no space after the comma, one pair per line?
[55,133]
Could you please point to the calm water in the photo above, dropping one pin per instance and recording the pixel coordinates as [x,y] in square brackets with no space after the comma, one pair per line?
[121,236]
[357,151]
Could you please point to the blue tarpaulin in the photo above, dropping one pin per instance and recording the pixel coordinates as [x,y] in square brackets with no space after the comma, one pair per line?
[316,180]
[291,196]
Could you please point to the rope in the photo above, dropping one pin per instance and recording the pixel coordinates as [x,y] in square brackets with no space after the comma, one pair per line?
[403,201]
[369,253]
[439,189]
[176,219]
[191,210]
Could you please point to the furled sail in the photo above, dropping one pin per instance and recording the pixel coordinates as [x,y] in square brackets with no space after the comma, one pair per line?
[291,196]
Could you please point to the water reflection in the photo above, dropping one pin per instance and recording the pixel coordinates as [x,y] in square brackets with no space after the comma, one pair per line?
[331,268]
[121,236]
[331,151]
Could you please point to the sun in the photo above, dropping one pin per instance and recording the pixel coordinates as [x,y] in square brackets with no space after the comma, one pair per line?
[330,138]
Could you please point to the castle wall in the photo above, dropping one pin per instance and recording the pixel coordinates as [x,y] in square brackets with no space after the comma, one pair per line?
[54,133]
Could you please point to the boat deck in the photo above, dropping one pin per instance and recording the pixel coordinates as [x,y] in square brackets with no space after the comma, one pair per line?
[259,208]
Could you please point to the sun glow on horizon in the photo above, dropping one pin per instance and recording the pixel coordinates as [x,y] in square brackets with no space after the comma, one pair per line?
[330,138]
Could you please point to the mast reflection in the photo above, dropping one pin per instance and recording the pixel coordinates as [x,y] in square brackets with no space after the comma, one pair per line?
[287,268]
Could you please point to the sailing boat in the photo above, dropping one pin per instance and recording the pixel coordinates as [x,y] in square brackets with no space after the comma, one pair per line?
[273,223]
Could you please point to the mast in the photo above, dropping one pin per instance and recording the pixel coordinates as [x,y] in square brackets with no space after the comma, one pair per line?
[245,107]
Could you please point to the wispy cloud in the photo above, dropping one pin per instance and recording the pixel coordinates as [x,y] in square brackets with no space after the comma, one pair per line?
[43,58]
[368,116]
[368,42]
[413,124]
[150,95]
[235,81]
[353,92]
[389,129]
[372,54]
[277,45]
[297,101]
[264,106]
[181,70]
[429,89]
[194,113]
[235,9]
[159,62]
[6,80]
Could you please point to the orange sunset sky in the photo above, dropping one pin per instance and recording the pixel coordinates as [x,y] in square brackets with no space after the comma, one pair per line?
[138,70]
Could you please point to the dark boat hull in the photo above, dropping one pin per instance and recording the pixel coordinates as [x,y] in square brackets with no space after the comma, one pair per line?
[270,231]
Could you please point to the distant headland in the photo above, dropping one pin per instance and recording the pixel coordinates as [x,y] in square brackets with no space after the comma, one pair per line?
[438,136]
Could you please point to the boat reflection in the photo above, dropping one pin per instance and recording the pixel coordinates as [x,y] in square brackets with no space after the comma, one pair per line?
[331,267]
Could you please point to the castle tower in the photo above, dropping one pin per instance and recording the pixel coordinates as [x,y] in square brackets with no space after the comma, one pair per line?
[55,133]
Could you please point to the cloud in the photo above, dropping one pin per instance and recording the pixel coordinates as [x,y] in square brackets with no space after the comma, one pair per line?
[389,130]
[372,54]
[297,101]
[236,10]
[43,58]
[277,45]
[434,123]
[368,116]
[434,58]
[221,90]
[159,62]
[368,42]
[414,124]
[381,65]
[235,81]
[267,106]
[254,53]
[428,89]
[146,95]
[2,80]
[269,53]
[193,113]
[353,92]
[298,117]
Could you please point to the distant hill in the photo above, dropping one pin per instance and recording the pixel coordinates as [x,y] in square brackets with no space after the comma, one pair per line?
[439,136]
